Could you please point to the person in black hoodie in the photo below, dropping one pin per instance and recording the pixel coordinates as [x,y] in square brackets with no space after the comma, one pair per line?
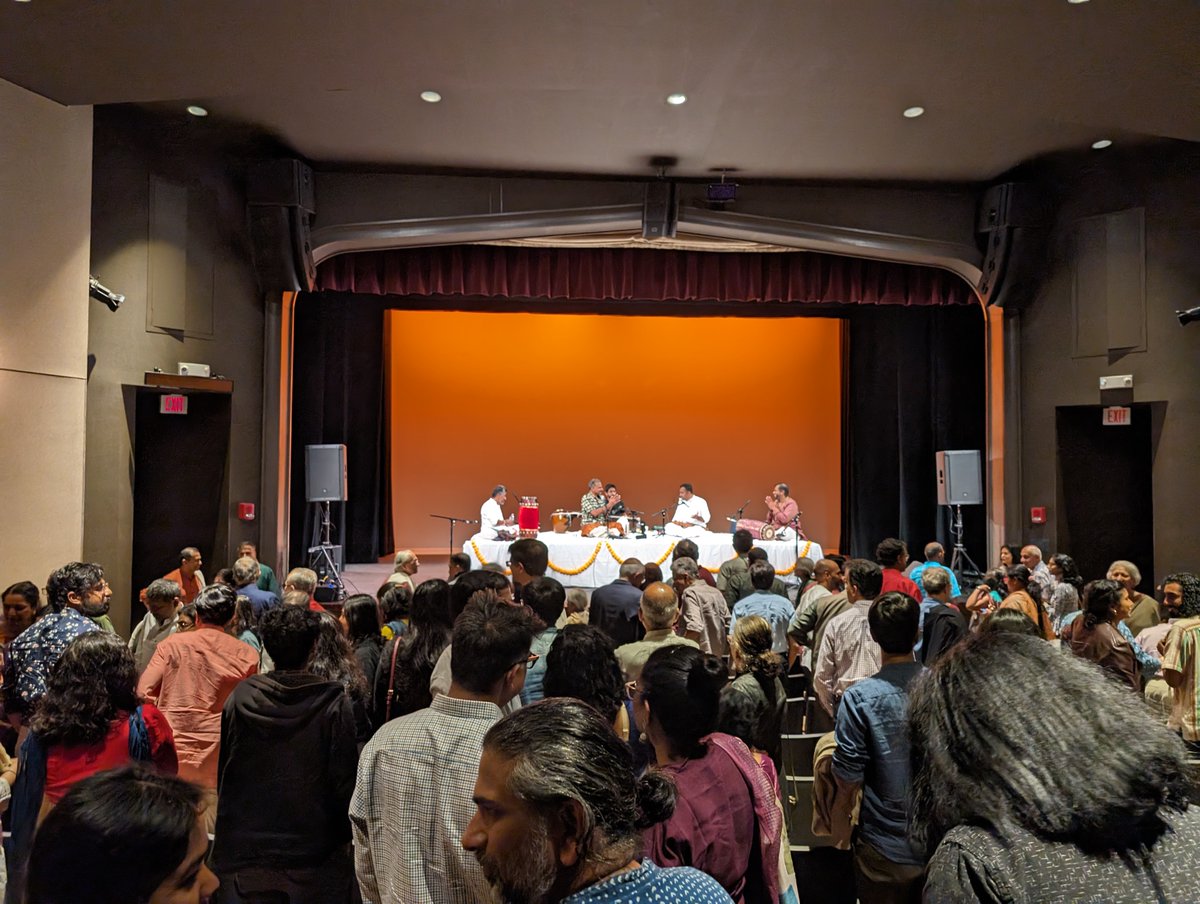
[285,777]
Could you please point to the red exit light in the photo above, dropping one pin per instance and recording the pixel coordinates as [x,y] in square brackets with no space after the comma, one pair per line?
[172,404]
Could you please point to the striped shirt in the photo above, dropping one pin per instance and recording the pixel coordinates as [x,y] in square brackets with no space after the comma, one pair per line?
[412,802]
[1181,657]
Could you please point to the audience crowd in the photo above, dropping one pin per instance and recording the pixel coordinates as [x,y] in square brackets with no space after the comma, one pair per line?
[1028,734]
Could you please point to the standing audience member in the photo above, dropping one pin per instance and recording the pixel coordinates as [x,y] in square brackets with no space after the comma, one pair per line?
[774,609]
[1005,820]
[360,618]
[460,594]
[163,600]
[266,574]
[733,572]
[188,575]
[727,822]
[757,683]
[1040,578]
[190,676]
[406,564]
[395,604]
[333,659]
[705,615]
[807,626]
[301,580]
[892,556]
[1068,584]
[1145,612]
[128,835]
[460,563]
[528,559]
[406,663]
[942,623]
[285,776]
[412,799]
[545,597]
[21,602]
[659,613]
[185,620]
[1181,599]
[1010,555]
[245,582]
[74,593]
[687,549]
[575,611]
[559,815]
[1017,582]
[935,560]
[1095,637]
[848,653]
[871,757]
[614,607]
[245,626]
[581,664]
[1181,667]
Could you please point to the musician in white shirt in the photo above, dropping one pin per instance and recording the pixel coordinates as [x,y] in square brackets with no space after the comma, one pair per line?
[491,516]
[691,514]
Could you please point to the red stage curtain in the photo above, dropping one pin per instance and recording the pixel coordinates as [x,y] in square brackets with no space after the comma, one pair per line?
[602,274]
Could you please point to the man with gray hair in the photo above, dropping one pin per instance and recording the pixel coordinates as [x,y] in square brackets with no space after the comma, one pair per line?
[163,600]
[245,582]
[301,580]
[571,814]
[405,565]
[658,613]
[614,607]
[704,610]
[492,523]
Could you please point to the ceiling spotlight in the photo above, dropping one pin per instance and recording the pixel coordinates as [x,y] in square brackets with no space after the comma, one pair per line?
[1102,143]
[197,110]
[431,97]
[1075,2]
[676,99]
[914,112]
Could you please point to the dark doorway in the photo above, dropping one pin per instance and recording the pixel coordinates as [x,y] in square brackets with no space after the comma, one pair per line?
[1106,490]
[178,486]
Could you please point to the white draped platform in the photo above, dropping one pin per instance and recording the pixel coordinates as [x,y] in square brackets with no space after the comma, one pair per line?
[577,561]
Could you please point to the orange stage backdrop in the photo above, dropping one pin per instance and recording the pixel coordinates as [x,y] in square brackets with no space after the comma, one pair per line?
[542,402]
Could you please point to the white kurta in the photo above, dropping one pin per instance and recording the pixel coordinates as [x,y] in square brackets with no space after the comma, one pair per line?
[687,512]
[490,517]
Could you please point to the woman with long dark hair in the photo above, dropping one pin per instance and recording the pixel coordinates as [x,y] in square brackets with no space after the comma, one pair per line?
[1068,584]
[727,822]
[360,617]
[244,625]
[758,670]
[1095,636]
[1073,794]
[406,662]
[333,659]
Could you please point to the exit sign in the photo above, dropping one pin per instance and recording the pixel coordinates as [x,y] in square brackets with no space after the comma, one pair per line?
[172,404]
[1115,416]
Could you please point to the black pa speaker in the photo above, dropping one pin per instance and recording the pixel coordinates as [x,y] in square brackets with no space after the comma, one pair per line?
[325,473]
[959,481]
[280,203]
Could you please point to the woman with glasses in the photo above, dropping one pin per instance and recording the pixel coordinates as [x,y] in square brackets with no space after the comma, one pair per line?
[726,821]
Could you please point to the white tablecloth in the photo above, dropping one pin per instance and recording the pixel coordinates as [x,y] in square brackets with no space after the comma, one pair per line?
[577,561]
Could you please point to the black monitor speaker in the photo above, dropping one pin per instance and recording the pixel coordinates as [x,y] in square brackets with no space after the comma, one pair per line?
[325,473]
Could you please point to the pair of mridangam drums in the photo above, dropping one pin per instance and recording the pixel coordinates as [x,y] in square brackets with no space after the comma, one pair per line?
[560,521]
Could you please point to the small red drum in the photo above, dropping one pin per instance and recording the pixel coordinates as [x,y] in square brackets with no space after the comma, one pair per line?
[560,521]
[528,517]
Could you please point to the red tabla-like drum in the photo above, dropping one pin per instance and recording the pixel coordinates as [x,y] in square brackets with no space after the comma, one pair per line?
[528,517]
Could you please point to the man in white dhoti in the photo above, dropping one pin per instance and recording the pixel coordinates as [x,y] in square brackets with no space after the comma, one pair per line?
[492,523]
[691,514]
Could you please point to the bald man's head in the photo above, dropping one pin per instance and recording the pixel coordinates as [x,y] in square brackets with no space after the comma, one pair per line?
[1031,556]
[828,574]
[659,607]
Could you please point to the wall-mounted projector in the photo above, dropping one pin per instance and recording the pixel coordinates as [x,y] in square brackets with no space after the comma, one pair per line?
[188,369]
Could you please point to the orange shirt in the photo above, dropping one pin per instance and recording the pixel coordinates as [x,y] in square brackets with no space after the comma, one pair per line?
[189,678]
[1023,602]
[189,585]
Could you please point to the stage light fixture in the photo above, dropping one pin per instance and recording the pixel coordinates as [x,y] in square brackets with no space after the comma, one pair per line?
[197,110]
[1101,144]
[676,99]
[431,97]
[914,112]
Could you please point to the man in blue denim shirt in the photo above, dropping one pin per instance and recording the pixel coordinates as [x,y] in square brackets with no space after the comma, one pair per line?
[872,755]
[546,597]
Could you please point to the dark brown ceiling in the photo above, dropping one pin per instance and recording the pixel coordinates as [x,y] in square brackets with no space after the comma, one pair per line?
[804,89]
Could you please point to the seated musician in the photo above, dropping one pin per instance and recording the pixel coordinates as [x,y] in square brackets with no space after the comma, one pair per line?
[492,523]
[782,515]
[691,514]
[596,506]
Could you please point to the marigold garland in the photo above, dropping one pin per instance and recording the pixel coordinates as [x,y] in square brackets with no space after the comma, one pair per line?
[612,552]
[567,571]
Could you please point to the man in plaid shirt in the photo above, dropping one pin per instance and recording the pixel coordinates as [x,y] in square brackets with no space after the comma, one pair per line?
[413,796]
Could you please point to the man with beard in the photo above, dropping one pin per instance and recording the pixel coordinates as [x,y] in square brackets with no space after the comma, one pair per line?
[76,593]
[559,814]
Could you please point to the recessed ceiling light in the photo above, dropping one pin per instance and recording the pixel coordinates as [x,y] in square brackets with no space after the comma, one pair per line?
[914,112]
[1101,144]
[1077,1]
[431,97]
[197,110]
[676,99]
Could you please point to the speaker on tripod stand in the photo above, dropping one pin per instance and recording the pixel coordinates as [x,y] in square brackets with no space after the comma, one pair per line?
[959,483]
[324,483]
